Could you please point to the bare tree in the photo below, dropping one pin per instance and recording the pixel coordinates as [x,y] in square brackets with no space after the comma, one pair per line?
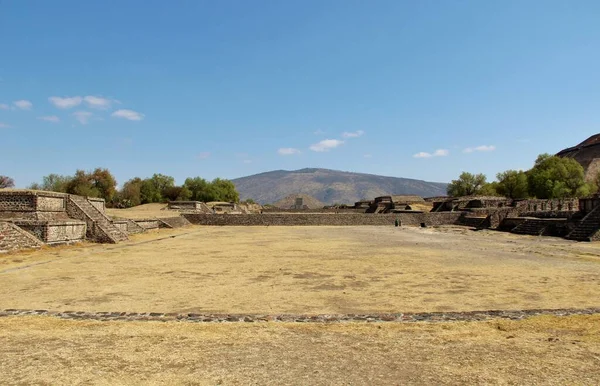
[6,182]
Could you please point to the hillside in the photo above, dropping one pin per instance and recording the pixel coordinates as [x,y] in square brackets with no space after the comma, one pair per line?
[330,186]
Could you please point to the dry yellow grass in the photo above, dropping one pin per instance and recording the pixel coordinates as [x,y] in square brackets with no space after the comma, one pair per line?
[307,270]
[143,211]
[542,350]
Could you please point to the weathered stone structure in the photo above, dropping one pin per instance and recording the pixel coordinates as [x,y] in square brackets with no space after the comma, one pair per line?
[56,218]
[587,153]
[341,219]
[13,238]
[186,206]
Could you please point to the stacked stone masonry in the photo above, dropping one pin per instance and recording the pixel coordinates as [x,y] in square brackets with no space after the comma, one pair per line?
[13,238]
[55,232]
[408,317]
[414,219]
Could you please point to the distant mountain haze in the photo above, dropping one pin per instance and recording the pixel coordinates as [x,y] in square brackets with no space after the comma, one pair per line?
[330,186]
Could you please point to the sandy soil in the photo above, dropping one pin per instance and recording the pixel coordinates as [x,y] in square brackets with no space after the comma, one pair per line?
[307,270]
[542,350]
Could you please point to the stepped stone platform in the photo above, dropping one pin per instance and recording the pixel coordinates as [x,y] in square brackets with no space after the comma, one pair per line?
[466,316]
[57,218]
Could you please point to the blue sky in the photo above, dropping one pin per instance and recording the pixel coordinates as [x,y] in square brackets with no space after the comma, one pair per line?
[419,89]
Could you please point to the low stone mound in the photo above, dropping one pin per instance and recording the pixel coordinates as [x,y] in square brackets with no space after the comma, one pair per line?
[13,238]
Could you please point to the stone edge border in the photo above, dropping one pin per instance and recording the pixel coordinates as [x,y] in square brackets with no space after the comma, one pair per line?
[467,316]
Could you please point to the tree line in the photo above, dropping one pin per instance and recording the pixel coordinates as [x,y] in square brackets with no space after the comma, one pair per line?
[550,177]
[158,188]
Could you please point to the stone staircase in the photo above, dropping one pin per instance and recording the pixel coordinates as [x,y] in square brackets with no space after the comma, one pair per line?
[99,227]
[588,228]
[531,227]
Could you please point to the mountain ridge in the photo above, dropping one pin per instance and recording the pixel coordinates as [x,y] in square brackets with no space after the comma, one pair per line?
[330,186]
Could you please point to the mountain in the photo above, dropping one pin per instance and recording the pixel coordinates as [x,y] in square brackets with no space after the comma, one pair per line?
[330,186]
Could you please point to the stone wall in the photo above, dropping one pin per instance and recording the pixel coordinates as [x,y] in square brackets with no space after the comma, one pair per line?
[55,232]
[16,202]
[415,219]
[322,210]
[97,203]
[147,223]
[533,205]
[122,225]
[586,205]
[50,204]
[13,238]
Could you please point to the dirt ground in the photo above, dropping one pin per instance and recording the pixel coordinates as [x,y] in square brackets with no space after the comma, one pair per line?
[541,350]
[303,270]
[306,270]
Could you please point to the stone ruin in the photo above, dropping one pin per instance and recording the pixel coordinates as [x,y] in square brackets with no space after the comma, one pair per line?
[574,219]
[30,219]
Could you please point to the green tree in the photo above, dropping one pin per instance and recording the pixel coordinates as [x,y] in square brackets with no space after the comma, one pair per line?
[225,190]
[6,182]
[81,184]
[177,193]
[467,184]
[149,192]
[489,189]
[105,183]
[55,183]
[557,177]
[513,184]
[199,188]
[130,195]
[162,183]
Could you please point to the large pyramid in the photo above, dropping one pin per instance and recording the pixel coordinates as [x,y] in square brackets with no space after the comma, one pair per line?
[587,153]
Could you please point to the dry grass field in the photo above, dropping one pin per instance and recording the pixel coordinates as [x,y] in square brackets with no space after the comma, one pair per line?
[541,350]
[303,270]
[143,211]
[307,270]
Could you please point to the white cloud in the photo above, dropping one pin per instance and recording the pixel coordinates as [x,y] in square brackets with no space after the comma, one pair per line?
[422,155]
[66,102]
[128,114]
[479,148]
[437,153]
[83,116]
[367,156]
[96,102]
[318,132]
[23,104]
[288,151]
[354,134]
[326,145]
[4,126]
[247,161]
[4,106]
[50,118]
[203,155]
